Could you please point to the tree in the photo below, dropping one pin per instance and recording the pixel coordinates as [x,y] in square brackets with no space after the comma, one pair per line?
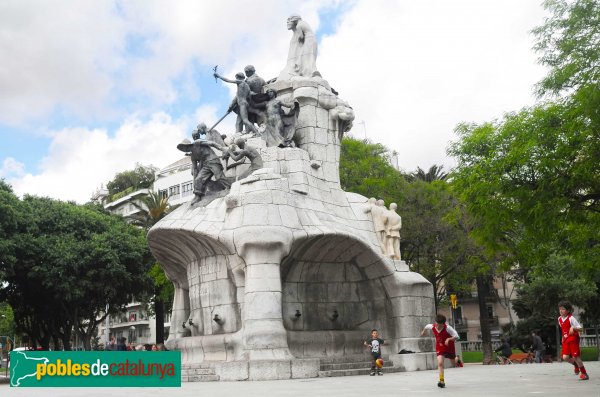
[532,181]
[7,324]
[434,243]
[435,173]
[569,43]
[69,263]
[364,169]
[153,208]
[546,285]
[139,178]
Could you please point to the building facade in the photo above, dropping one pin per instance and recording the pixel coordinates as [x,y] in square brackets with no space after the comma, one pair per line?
[498,310]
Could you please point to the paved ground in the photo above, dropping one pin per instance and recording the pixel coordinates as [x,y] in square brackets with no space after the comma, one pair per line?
[469,381]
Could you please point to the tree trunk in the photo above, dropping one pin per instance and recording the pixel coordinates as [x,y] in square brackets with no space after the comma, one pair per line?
[159,310]
[484,322]
[507,301]
[557,329]
[597,340]
[66,340]
[87,342]
[55,341]
[45,342]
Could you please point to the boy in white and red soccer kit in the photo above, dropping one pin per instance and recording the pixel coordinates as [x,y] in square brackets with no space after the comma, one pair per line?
[570,328]
[445,336]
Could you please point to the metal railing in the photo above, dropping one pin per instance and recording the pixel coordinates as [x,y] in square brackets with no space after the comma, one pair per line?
[476,345]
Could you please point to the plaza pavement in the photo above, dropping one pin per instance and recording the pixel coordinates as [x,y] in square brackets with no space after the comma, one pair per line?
[472,380]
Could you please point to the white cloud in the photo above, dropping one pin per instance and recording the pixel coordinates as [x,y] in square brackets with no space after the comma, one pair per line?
[56,55]
[11,168]
[79,159]
[78,57]
[414,70]
[411,70]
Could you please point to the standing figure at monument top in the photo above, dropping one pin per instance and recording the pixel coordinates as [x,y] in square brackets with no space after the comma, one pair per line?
[302,56]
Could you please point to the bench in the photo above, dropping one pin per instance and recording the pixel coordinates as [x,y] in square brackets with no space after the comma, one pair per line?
[522,358]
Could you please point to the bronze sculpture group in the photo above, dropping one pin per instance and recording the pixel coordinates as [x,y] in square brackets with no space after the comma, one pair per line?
[259,113]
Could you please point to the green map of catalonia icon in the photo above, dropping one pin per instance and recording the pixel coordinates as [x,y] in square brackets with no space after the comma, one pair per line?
[23,366]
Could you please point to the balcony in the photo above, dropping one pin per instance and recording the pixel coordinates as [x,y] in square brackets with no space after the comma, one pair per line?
[461,323]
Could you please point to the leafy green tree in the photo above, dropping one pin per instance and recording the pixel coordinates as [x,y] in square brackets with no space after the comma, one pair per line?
[435,242]
[7,324]
[532,181]
[432,243]
[364,169]
[70,263]
[141,177]
[569,43]
[545,286]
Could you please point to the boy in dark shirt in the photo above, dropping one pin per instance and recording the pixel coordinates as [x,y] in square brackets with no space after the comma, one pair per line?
[375,344]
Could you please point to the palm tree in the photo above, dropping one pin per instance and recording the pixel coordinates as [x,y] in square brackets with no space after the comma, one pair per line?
[153,208]
[434,173]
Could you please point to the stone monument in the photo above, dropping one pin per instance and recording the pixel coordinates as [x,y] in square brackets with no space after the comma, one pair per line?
[284,271]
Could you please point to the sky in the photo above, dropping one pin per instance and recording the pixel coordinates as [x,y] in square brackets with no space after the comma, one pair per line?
[90,88]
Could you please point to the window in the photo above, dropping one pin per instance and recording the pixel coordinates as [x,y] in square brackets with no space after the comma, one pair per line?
[458,314]
[490,311]
[163,193]
[187,189]
[132,316]
[174,190]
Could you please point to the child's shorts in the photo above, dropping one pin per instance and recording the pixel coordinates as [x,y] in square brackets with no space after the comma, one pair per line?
[571,348]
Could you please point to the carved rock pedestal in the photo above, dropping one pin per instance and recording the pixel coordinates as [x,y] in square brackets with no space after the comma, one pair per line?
[286,269]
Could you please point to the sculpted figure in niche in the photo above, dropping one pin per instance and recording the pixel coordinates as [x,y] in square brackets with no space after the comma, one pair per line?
[246,151]
[379,215]
[280,125]
[302,55]
[205,165]
[242,102]
[394,224]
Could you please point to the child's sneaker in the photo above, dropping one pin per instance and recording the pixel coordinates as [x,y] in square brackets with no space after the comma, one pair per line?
[379,373]
[372,373]
[441,384]
[576,370]
[584,377]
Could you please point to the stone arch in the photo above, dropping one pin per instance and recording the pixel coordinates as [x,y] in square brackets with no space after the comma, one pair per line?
[334,282]
[207,276]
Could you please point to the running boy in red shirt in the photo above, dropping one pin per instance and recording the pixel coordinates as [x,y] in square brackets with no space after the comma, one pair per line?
[570,329]
[445,336]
